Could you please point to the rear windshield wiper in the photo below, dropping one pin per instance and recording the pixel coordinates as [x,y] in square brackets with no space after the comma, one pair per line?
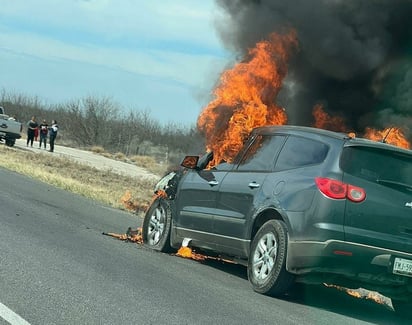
[394,183]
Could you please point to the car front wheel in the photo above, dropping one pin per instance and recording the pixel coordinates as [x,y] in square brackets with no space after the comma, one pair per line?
[266,266]
[156,226]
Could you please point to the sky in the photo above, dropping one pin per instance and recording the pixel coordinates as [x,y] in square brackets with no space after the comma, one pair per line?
[163,57]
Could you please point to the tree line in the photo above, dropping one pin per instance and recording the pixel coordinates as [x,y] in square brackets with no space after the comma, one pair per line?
[99,121]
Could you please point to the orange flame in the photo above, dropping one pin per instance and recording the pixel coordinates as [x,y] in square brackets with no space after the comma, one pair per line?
[393,135]
[131,235]
[245,97]
[187,252]
[133,205]
[324,121]
[136,206]
[361,293]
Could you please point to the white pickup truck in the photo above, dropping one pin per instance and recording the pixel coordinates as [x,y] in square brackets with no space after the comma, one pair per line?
[10,129]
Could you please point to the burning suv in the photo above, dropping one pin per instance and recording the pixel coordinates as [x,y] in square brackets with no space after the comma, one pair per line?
[297,204]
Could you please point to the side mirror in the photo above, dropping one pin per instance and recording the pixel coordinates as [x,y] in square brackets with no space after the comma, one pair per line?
[190,162]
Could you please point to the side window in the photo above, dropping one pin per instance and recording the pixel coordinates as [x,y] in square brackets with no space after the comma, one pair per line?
[261,154]
[299,152]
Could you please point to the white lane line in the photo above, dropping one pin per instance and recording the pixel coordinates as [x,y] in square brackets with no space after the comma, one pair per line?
[10,316]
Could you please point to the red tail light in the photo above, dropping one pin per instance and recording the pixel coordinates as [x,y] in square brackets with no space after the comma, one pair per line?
[338,190]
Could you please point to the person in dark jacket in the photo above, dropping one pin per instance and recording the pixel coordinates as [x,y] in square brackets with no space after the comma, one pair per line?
[52,134]
[31,129]
[43,130]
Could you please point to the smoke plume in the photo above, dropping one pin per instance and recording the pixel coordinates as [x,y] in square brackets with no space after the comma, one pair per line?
[354,57]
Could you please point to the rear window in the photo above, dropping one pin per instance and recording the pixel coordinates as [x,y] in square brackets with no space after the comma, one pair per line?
[300,152]
[382,166]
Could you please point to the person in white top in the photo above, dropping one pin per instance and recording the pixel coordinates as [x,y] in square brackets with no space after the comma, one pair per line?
[52,134]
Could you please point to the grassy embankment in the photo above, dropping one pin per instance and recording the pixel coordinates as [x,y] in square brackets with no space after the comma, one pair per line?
[104,186]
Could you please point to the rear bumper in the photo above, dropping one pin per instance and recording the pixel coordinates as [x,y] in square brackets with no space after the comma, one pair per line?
[334,256]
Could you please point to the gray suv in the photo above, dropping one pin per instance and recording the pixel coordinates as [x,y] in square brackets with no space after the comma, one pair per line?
[297,204]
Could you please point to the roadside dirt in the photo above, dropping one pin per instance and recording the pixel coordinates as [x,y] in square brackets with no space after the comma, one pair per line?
[91,159]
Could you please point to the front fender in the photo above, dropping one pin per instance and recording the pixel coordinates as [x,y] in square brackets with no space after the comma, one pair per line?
[169,184]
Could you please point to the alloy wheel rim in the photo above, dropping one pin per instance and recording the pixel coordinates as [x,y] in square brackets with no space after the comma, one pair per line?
[156,226]
[264,257]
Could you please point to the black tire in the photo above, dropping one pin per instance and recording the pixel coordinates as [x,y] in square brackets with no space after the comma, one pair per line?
[156,226]
[10,142]
[267,261]
[403,308]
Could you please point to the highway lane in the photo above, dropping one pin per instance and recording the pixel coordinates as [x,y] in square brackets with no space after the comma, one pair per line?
[56,267]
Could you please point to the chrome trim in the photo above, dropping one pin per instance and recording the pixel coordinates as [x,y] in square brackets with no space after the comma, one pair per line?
[212,234]
[232,219]
[325,243]
[196,214]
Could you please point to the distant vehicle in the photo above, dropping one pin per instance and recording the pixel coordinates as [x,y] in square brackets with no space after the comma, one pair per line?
[298,204]
[10,129]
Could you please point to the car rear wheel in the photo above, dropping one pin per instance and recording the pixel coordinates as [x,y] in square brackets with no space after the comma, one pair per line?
[266,267]
[156,226]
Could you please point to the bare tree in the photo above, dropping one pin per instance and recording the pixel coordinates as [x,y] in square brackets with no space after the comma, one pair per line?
[94,121]
[91,120]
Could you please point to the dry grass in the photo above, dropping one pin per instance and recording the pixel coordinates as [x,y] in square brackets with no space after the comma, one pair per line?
[97,149]
[120,156]
[106,154]
[143,161]
[103,186]
[149,163]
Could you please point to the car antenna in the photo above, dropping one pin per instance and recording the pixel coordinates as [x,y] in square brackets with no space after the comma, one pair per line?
[386,135]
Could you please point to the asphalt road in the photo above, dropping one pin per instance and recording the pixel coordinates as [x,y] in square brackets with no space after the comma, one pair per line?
[56,267]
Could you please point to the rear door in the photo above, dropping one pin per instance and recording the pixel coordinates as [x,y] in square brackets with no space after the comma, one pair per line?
[384,219]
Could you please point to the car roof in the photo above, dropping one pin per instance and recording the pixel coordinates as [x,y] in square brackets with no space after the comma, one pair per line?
[361,142]
[346,138]
[294,129]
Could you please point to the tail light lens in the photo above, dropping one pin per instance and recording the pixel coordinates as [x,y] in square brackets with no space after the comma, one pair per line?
[355,194]
[335,189]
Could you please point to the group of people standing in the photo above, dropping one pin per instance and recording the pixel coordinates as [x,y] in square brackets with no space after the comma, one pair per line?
[44,130]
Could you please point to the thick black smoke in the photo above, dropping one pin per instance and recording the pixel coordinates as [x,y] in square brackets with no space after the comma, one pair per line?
[354,56]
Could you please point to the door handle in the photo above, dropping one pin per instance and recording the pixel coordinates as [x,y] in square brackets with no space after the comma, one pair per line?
[254,185]
[213,183]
